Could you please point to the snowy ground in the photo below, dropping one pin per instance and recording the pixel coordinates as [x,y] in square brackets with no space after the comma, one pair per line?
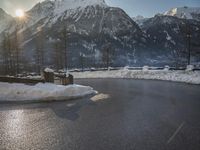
[42,92]
[192,77]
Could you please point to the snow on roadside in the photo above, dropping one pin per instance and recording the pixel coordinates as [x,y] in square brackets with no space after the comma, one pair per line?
[192,77]
[42,92]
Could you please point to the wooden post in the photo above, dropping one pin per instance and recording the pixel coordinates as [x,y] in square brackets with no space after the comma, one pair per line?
[67,80]
[49,77]
[71,79]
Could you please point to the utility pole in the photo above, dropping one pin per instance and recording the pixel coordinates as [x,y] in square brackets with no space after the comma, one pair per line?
[17,47]
[189,47]
[107,58]
[81,59]
[64,40]
[188,36]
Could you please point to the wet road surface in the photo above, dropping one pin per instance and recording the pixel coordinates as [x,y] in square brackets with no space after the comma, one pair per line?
[126,115]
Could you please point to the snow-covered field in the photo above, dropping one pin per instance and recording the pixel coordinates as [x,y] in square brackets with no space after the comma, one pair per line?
[42,92]
[192,77]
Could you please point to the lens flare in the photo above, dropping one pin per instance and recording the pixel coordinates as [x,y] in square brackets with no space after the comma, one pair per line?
[19,13]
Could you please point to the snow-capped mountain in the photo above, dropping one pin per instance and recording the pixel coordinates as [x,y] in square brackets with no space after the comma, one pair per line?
[63,5]
[56,8]
[40,11]
[168,37]
[89,23]
[185,13]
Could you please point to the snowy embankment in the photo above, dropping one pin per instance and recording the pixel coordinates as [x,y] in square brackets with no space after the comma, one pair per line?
[42,92]
[192,77]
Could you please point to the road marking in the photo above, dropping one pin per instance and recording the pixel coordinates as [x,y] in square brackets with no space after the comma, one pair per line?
[175,133]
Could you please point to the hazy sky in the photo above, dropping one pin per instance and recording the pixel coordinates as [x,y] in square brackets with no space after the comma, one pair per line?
[146,8]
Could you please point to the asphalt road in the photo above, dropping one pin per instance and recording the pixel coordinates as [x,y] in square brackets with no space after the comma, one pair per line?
[126,115]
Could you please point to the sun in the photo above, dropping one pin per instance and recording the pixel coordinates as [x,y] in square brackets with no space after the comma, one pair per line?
[19,13]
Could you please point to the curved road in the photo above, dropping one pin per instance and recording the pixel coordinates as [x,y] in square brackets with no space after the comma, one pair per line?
[126,115]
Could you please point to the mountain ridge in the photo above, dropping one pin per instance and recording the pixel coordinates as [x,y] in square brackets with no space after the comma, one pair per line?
[91,27]
[185,12]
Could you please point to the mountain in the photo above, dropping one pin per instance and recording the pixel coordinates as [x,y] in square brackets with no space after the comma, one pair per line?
[185,13]
[90,24]
[5,20]
[168,38]
[86,27]
[139,19]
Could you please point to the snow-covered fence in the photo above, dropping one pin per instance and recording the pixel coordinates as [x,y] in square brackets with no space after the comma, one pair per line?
[65,79]
[49,75]
[135,68]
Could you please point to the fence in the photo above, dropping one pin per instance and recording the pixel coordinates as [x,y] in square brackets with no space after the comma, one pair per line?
[21,80]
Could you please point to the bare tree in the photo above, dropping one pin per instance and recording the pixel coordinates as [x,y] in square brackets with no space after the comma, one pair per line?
[107,54]
[82,56]
[187,36]
[16,49]
[64,43]
[39,53]
[7,54]
[58,55]
[4,54]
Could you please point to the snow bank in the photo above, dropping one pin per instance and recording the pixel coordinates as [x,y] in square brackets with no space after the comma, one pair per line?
[48,70]
[192,77]
[42,91]
[190,68]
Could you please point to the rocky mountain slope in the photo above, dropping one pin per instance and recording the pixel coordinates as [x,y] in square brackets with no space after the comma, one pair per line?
[89,26]
[169,35]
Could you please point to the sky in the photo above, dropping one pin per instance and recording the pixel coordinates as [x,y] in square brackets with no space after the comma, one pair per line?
[146,8]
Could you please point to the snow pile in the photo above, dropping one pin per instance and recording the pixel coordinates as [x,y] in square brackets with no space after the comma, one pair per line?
[192,77]
[48,70]
[166,68]
[190,68]
[42,92]
[145,68]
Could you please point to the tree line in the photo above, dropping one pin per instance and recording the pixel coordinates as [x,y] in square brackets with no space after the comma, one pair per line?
[14,62]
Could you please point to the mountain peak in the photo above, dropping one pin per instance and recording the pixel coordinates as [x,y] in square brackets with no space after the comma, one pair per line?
[60,6]
[73,4]
[184,12]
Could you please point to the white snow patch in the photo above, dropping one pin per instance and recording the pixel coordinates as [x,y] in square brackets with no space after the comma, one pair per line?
[168,37]
[166,68]
[190,68]
[192,77]
[42,92]
[145,68]
[48,70]
[183,12]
